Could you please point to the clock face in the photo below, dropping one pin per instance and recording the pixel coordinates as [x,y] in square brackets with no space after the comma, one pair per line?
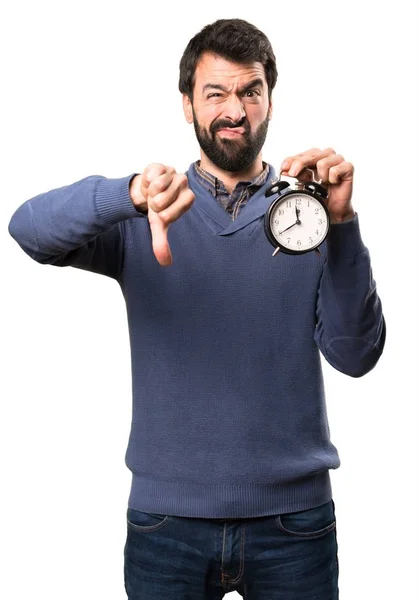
[299,222]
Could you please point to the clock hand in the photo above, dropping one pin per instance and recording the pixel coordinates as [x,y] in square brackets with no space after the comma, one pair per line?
[296,223]
[297,212]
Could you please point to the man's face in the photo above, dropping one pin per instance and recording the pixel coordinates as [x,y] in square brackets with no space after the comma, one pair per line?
[230,111]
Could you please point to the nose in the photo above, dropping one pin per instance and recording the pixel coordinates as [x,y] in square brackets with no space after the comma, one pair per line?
[234,109]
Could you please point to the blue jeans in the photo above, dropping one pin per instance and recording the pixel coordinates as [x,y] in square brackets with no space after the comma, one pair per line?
[290,556]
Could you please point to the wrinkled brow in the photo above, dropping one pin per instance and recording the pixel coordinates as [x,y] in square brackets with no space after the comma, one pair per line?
[248,86]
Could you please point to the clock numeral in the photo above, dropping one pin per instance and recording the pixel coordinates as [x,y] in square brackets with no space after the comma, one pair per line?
[288,203]
[298,201]
[299,243]
[276,221]
[317,232]
[316,211]
[311,240]
[280,211]
[320,221]
[308,202]
[288,240]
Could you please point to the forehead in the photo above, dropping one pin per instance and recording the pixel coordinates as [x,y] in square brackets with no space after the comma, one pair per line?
[215,69]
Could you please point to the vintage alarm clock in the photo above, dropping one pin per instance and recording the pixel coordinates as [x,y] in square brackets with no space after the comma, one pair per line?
[297,221]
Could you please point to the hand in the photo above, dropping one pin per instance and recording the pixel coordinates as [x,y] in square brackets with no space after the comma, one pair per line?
[164,195]
[336,175]
[297,222]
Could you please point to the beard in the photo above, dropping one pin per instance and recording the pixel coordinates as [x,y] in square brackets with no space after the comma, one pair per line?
[232,155]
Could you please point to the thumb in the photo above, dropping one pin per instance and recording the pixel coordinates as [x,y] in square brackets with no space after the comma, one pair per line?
[159,239]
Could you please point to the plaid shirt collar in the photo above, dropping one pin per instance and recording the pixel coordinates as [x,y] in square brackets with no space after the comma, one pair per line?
[233,202]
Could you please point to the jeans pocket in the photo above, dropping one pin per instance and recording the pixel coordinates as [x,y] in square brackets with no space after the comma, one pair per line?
[143,521]
[310,523]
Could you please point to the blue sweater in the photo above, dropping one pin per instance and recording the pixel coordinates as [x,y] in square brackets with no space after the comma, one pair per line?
[228,417]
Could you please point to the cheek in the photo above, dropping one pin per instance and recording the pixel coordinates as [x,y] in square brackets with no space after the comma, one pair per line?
[212,114]
[258,114]
[208,117]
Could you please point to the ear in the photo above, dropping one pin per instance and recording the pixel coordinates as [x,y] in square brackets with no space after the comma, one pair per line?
[270,110]
[187,108]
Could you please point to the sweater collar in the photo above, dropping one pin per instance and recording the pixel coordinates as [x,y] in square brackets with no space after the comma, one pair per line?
[219,220]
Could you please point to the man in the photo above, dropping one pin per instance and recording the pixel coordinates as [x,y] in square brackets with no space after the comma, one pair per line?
[229,447]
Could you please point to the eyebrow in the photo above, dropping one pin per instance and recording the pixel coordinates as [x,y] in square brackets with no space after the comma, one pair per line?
[217,86]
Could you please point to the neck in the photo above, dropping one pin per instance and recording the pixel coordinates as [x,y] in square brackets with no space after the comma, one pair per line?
[230,179]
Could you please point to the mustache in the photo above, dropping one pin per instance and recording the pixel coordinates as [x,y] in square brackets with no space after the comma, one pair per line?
[221,124]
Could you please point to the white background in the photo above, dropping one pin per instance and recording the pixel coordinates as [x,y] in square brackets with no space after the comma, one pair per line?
[90,88]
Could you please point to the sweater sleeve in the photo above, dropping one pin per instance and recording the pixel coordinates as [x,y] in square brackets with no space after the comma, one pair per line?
[350,330]
[77,225]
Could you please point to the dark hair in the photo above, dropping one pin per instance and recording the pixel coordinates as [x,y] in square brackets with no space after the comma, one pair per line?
[233,39]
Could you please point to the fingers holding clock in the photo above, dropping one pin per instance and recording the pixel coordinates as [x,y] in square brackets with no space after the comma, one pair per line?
[298,165]
[334,169]
[338,171]
[328,166]
[334,173]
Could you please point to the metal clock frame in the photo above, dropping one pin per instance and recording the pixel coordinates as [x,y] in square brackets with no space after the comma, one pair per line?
[311,189]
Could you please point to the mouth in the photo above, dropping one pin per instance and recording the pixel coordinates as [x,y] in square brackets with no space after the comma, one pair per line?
[231,132]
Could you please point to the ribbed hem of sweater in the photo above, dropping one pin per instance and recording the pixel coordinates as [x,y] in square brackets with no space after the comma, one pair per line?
[228,501]
[113,200]
[344,239]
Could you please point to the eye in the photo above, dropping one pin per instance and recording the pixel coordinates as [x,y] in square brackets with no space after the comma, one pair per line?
[252,93]
[214,95]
